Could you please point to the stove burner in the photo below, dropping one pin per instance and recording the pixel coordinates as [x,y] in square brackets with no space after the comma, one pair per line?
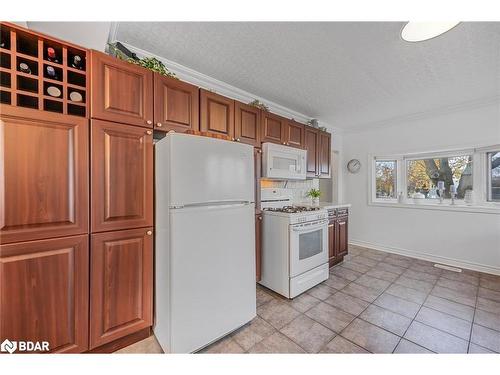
[292,209]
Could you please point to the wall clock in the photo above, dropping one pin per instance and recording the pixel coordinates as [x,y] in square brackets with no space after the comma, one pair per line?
[353,165]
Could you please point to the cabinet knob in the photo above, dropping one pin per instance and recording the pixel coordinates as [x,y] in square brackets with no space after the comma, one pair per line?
[149,232]
[149,132]
[284,143]
[260,217]
[159,124]
[149,122]
[259,151]
[237,139]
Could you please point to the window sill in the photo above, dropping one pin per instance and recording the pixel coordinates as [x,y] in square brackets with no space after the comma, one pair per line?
[446,206]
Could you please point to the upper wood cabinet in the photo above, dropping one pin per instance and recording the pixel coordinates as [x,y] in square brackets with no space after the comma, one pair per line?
[324,154]
[247,124]
[44,291]
[121,271]
[216,114]
[294,134]
[176,104]
[273,128]
[43,175]
[121,92]
[317,144]
[122,176]
[311,145]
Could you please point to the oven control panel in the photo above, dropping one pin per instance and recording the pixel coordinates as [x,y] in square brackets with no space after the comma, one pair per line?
[317,215]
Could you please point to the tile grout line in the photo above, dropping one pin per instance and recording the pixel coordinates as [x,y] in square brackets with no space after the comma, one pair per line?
[473,316]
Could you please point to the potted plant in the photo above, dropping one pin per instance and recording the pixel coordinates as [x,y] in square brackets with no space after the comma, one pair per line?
[314,194]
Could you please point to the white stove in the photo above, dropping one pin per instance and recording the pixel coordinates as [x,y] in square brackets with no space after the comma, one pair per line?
[294,244]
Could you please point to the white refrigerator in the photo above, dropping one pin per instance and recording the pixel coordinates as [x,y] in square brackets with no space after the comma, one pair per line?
[204,241]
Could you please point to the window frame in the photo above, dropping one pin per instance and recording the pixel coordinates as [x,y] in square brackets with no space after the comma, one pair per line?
[480,183]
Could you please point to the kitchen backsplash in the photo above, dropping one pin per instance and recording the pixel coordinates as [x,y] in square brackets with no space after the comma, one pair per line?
[296,189]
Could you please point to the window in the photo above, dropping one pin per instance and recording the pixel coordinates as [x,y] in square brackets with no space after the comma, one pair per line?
[413,179]
[422,176]
[493,184]
[386,179]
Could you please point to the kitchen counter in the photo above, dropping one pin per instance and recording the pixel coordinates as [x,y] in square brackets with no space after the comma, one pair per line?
[329,205]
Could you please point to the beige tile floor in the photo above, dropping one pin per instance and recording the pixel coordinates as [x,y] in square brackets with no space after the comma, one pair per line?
[373,302]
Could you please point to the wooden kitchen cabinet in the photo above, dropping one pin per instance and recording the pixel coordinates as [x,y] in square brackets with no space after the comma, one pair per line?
[121,92]
[324,154]
[122,176]
[258,247]
[273,128]
[176,105]
[311,145]
[44,291]
[216,114]
[121,280]
[337,236]
[294,134]
[43,175]
[247,124]
[341,234]
[317,144]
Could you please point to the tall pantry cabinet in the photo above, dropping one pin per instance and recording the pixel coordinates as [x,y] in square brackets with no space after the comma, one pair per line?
[121,261]
[44,193]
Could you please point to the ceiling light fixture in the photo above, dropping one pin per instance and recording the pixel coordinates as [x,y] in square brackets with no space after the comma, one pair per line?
[420,31]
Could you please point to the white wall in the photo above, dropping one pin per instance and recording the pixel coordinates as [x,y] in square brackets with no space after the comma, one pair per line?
[469,240]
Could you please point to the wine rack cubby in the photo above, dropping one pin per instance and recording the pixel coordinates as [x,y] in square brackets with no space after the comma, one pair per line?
[43,73]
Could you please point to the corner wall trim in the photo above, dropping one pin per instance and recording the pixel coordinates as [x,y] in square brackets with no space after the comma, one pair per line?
[429,257]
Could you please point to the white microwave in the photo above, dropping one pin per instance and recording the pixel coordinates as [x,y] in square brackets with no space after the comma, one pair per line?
[283,162]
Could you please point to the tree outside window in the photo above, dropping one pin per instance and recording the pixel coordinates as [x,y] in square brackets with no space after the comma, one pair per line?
[494,176]
[424,174]
[385,179]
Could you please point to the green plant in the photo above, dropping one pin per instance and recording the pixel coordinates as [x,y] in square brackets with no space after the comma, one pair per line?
[314,193]
[151,63]
[259,104]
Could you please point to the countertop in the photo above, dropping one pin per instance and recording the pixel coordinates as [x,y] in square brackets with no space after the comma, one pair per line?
[329,205]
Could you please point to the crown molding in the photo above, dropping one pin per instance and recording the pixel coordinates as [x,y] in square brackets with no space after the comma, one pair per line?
[204,81]
[394,121]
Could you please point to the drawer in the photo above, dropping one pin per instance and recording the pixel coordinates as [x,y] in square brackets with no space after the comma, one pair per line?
[307,280]
[342,211]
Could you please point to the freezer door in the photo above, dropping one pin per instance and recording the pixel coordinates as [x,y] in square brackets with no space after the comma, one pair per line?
[203,169]
[212,273]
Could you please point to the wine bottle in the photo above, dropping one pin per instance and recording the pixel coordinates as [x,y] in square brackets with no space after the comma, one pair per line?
[77,62]
[51,55]
[24,68]
[51,72]
[53,91]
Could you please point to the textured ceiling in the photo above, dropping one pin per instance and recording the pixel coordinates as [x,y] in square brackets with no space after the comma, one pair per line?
[347,74]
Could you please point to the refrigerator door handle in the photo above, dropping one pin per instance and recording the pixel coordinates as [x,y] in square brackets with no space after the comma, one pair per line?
[213,204]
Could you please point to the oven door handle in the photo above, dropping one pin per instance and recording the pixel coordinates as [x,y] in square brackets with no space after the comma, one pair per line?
[310,227]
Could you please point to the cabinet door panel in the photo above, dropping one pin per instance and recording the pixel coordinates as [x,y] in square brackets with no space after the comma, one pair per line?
[216,114]
[176,104]
[342,242]
[247,124]
[294,134]
[43,177]
[122,176]
[273,128]
[121,283]
[311,145]
[44,292]
[324,154]
[121,92]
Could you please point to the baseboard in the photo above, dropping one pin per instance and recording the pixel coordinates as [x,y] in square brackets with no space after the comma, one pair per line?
[429,257]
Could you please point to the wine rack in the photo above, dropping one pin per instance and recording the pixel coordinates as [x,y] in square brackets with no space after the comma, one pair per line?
[65,91]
